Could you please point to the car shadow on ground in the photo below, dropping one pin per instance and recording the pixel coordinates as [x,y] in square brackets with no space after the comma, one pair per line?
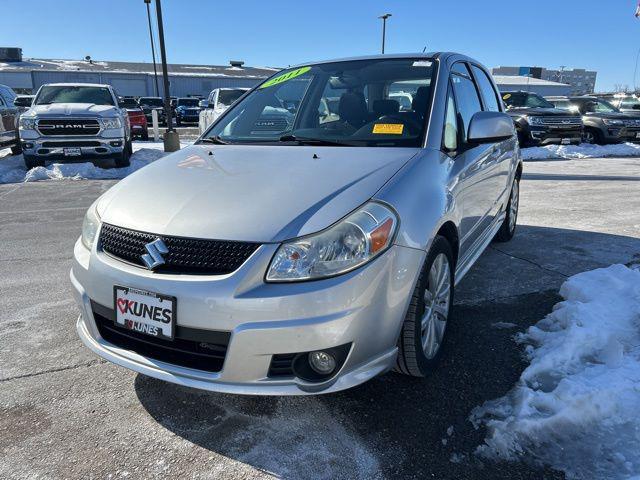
[395,426]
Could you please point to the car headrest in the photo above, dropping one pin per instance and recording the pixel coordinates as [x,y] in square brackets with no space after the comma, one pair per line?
[386,107]
[420,100]
[353,109]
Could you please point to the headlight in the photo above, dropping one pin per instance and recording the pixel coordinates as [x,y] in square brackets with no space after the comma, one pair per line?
[27,123]
[535,120]
[613,123]
[350,243]
[90,226]
[110,123]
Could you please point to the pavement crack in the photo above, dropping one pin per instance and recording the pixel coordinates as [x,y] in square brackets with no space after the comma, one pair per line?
[54,370]
[529,261]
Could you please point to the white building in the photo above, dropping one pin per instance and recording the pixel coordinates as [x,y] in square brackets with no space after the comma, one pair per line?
[583,82]
[508,83]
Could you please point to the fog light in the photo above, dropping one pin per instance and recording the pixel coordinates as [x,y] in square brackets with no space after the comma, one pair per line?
[115,144]
[322,362]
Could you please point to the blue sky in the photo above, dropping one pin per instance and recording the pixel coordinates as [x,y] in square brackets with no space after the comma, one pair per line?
[595,34]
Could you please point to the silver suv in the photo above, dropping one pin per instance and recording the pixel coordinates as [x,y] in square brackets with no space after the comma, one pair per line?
[295,251]
[70,121]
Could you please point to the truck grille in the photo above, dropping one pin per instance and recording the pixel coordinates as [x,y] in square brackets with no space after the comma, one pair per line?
[191,348]
[186,255]
[632,123]
[68,127]
[562,121]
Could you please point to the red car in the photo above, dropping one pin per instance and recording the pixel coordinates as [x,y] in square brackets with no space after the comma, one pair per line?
[137,118]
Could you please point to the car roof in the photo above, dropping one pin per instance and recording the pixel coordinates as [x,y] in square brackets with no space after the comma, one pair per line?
[77,84]
[394,56]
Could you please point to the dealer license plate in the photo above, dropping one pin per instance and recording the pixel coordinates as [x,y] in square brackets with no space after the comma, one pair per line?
[145,312]
[566,141]
[72,152]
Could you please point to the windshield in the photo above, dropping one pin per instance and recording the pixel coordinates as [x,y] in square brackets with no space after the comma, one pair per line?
[70,94]
[525,100]
[601,106]
[129,103]
[341,103]
[227,97]
[188,102]
[151,102]
[630,103]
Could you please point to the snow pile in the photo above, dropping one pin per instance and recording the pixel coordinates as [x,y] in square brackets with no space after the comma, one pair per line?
[581,151]
[577,406]
[13,170]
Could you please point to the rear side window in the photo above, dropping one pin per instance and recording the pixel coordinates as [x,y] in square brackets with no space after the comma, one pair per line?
[466,95]
[489,94]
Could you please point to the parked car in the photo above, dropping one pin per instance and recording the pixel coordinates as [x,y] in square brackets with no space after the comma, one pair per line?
[187,110]
[137,118]
[603,123]
[148,104]
[23,102]
[626,103]
[304,257]
[70,121]
[9,114]
[217,102]
[538,122]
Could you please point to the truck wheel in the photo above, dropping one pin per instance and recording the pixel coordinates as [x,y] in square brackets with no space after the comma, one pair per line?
[178,122]
[16,149]
[423,332]
[31,161]
[145,135]
[592,136]
[508,228]
[124,159]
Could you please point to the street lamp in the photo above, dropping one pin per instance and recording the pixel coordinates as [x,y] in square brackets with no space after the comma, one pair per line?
[153,49]
[384,28]
[171,138]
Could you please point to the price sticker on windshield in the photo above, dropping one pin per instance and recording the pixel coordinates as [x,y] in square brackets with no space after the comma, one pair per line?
[388,128]
[285,77]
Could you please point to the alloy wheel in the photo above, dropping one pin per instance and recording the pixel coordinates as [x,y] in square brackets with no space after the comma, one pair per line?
[437,297]
[589,137]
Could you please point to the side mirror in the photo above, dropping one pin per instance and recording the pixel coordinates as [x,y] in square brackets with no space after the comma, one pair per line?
[490,127]
[203,104]
[23,102]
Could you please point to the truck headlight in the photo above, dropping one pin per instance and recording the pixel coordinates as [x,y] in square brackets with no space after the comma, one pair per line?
[111,123]
[27,123]
[535,120]
[90,227]
[613,123]
[348,244]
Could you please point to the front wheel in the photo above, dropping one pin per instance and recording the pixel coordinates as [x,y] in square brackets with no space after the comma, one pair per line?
[425,324]
[124,159]
[508,227]
[31,161]
[16,149]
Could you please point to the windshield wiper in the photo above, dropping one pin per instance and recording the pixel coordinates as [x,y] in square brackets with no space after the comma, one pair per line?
[215,140]
[311,141]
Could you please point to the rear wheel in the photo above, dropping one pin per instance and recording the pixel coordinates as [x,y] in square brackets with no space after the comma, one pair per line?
[31,161]
[145,135]
[16,149]
[425,325]
[508,228]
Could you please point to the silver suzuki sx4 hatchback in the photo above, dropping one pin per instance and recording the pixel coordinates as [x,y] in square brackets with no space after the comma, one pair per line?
[312,237]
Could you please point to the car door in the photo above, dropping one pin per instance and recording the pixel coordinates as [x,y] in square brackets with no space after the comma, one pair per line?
[473,164]
[7,122]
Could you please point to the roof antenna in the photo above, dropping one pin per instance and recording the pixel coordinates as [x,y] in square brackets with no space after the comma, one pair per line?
[424,49]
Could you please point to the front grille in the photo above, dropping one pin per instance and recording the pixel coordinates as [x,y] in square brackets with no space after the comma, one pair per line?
[186,255]
[632,123]
[562,121]
[282,365]
[191,348]
[68,126]
[74,143]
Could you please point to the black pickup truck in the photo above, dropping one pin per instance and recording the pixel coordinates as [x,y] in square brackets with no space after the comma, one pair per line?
[9,120]
[538,122]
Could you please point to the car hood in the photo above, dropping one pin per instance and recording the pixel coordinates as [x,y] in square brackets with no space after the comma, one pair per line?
[541,112]
[74,109]
[250,193]
[612,116]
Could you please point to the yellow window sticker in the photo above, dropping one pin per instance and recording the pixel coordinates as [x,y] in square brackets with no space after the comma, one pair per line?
[285,76]
[506,97]
[388,128]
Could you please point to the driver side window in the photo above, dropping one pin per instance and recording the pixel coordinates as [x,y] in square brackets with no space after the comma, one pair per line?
[450,135]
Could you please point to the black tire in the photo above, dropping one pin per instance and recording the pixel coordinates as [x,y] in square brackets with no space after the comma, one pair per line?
[508,227]
[31,161]
[124,159]
[412,359]
[178,122]
[145,135]
[16,149]
[593,136]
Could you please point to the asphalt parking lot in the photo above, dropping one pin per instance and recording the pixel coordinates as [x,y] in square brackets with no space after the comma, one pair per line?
[66,414]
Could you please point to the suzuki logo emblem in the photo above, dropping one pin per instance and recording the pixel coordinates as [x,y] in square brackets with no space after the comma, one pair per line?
[154,257]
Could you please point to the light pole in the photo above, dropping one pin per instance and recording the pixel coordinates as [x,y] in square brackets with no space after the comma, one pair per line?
[153,49]
[384,28]
[171,138]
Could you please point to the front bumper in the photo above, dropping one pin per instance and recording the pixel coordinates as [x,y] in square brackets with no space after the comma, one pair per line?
[107,144]
[545,135]
[364,308]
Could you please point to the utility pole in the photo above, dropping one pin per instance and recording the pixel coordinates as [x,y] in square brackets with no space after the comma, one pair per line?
[171,138]
[384,28]
[153,48]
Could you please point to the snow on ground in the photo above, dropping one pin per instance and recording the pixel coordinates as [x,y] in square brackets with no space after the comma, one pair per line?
[581,151]
[576,406]
[13,170]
